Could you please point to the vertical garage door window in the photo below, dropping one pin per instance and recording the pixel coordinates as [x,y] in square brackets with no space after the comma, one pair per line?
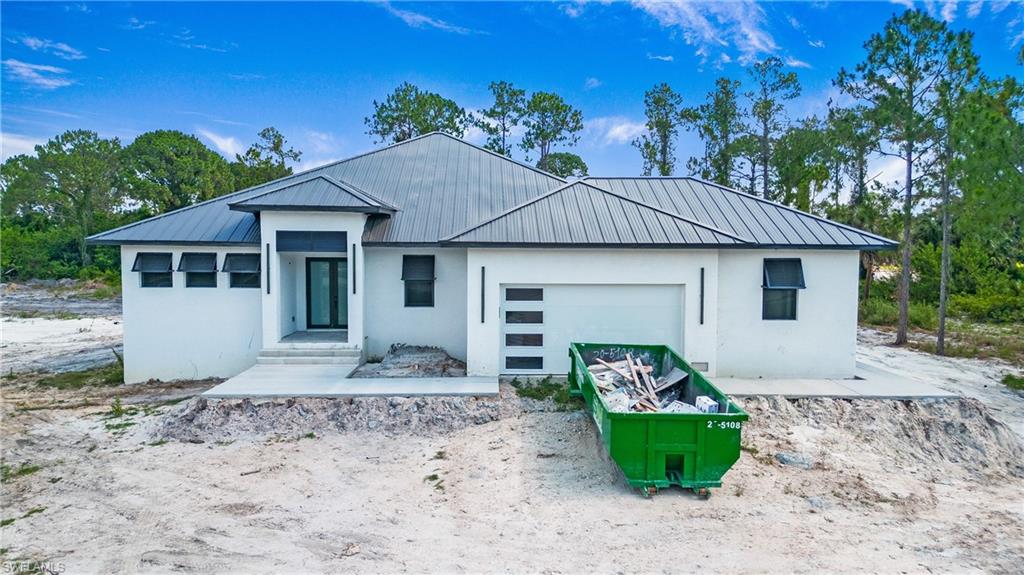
[523,338]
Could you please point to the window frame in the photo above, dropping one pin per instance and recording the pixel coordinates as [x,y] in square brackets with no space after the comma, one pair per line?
[415,278]
[764,308]
[154,279]
[790,290]
[193,272]
[236,276]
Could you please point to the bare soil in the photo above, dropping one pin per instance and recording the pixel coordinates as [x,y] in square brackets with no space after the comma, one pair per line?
[888,486]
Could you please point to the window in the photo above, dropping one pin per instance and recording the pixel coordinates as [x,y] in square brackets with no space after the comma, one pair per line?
[524,294]
[524,363]
[154,269]
[524,339]
[418,275]
[524,317]
[244,270]
[200,269]
[782,277]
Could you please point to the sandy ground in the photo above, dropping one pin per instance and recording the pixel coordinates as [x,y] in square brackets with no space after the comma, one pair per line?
[891,486]
[384,486]
[977,378]
[67,332]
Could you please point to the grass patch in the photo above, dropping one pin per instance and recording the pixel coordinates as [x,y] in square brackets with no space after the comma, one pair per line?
[441,454]
[309,435]
[34,313]
[104,376]
[157,443]
[118,427]
[33,511]
[6,522]
[1014,382]
[548,389]
[7,473]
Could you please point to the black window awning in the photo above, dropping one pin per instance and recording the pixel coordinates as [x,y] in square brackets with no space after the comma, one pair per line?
[302,241]
[197,262]
[152,262]
[783,273]
[242,263]
[418,268]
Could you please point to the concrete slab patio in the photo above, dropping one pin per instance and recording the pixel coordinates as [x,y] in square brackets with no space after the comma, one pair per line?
[872,382]
[267,381]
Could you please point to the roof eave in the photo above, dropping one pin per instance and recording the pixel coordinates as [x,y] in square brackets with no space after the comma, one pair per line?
[299,208]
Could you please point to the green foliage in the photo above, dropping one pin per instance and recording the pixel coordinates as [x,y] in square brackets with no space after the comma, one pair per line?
[409,112]
[548,389]
[1013,381]
[772,87]
[664,110]
[264,161]
[170,170]
[883,312]
[498,120]
[719,122]
[104,376]
[566,165]
[8,473]
[549,121]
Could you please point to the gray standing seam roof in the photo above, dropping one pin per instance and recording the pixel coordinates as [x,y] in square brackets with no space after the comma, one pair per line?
[761,222]
[581,214]
[316,193]
[439,190]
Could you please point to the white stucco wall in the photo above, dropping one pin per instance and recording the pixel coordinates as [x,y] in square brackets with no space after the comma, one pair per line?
[187,333]
[388,321]
[552,266]
[821,342]
[283,302]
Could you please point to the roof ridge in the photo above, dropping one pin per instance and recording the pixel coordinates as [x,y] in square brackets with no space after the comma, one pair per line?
[603,191]
[496,154]
[311,177]
[346,184]
[790,209]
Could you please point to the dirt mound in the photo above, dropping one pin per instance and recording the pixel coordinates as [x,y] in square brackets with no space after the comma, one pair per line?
[949,435]
[413,361]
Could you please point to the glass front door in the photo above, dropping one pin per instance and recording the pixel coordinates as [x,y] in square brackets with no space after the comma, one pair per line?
[326,293]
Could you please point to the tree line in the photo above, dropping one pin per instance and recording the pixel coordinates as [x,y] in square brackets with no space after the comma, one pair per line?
[78,184]
[918,97]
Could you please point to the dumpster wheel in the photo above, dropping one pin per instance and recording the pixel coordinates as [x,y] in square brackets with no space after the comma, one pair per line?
[649,491]
[702,492]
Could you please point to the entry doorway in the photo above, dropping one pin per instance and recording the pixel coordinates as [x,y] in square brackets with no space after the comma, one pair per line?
[326,293]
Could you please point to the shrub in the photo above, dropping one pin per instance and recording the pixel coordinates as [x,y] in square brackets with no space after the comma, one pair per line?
[877,311]
[999,308]
[923,316]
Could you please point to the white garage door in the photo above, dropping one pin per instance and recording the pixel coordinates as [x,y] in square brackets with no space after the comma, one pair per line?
[539,321]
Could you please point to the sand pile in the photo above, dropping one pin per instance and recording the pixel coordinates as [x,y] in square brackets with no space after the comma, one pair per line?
[211,420]
[413,361]
[948,435]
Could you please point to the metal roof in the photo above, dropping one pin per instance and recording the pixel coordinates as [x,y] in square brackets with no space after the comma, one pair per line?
[439,184]
[316,193]
[761,222]
[580,214]
[437,189]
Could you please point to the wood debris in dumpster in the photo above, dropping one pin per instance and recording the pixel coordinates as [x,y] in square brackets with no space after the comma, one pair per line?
[628,386]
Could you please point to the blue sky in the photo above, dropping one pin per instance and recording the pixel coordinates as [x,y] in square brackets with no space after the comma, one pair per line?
[224,71]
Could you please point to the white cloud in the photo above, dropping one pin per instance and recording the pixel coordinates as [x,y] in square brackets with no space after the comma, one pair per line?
[14,144]
[658,57]
[321,142]
[975,8]
[37,75]
[228,145]
[572,9]
[417,20]
[716,26]
[816,43]
[591,83]
[58,49]
[136,24]
[909,4]
[793,21]
[794,63]
[475,135]
[949,8]
[610,130]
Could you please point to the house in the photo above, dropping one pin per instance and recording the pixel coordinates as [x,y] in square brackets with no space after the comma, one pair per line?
[435,241]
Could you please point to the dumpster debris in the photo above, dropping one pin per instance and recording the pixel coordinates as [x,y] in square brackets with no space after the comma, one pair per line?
[627,385]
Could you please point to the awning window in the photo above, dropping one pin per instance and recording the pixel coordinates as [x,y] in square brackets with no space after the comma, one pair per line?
[197,262]
[304,241]
[242,263]
[783,273]
[418,268]
[152,263]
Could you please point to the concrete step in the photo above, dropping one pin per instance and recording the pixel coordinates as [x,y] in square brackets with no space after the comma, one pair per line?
[310,352]
[307,360]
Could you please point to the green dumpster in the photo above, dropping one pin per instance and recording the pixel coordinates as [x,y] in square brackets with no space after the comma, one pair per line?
[656,450]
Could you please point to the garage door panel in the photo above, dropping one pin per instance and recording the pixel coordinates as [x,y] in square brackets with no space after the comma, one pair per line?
[588,313]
